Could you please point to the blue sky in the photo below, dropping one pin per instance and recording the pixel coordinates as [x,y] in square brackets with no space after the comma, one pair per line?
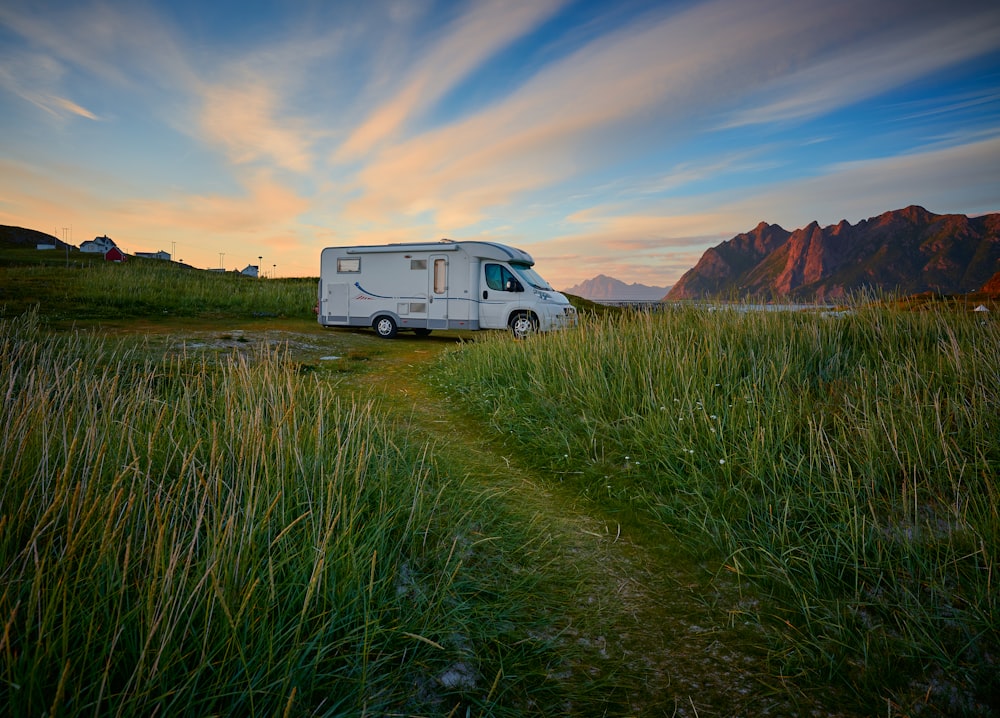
[621,138]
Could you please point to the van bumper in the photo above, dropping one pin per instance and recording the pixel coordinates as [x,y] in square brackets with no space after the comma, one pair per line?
[561,317]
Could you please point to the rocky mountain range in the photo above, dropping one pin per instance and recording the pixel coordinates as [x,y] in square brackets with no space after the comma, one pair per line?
[605,288]
[908,251]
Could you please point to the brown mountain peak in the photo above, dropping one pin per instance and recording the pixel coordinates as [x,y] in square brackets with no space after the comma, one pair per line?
[992,286]
[909,250]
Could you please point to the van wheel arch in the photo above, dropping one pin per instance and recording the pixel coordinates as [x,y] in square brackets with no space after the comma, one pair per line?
[385,326]
[523,323]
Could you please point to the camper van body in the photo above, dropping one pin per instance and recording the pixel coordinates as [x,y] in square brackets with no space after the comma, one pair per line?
[437,285]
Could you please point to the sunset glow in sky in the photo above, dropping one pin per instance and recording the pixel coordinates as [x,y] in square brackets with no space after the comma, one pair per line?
[621,138]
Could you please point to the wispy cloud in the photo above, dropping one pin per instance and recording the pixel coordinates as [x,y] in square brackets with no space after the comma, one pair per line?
[58,105]
[873,64]
[938,177]
[243,116]
[607,150]
[648,79]
[264,206]
[36,78]
[53,105]
[469,41]
[125,45]
[657,247]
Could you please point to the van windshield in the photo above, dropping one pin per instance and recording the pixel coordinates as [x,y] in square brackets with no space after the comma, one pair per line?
[530,276]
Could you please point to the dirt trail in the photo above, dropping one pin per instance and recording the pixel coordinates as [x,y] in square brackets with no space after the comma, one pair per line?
[652,623]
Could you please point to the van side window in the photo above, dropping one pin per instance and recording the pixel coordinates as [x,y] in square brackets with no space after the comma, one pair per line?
[440,276]
[351,264]
[497,277]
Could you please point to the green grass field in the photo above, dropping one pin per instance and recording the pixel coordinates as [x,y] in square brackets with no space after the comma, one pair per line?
[198,519]
[842,466]
[91,289]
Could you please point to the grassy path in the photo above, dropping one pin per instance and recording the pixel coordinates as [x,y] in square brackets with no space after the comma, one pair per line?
[648,634]
[640,627]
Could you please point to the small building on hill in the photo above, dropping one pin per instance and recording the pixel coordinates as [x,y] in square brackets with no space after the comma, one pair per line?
[98,245]
[250,270]
[165,256]
[114,255]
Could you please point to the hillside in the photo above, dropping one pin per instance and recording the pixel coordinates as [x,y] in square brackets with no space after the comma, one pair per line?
[605,288]
[19,236]
[908,251]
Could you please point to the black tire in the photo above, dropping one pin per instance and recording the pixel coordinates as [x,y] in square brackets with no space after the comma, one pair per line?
[385,327]
[523,324]
[422,331]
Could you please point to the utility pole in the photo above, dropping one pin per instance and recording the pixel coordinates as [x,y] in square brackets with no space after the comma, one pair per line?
[222,257]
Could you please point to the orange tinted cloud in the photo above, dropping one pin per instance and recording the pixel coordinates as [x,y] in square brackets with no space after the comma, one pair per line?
[265,215]
[545,131]
[265,203]
[243,116]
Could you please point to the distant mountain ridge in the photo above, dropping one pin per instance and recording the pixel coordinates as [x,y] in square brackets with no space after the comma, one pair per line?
[605,288]
[909,251]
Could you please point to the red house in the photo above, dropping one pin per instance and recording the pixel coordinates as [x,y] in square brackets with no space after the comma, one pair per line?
[114,255]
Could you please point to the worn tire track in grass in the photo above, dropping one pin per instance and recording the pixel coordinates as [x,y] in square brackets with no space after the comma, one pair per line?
[636,618]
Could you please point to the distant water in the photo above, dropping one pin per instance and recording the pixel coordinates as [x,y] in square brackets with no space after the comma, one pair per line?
[657,306]
[768,307]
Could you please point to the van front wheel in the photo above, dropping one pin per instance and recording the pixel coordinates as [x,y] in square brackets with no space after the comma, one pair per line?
[523,324]
[385,327]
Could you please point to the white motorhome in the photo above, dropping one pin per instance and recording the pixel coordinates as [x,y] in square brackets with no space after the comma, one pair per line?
[437,285]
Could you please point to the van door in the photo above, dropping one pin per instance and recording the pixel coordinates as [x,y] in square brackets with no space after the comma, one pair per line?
[437,293]
[337,308]
[500,291]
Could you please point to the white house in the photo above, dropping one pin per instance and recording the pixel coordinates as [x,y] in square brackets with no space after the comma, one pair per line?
[165,256]
[98,245]
[249,271]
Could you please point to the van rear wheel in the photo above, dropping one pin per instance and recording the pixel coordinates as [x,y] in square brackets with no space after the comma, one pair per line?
[385,327]
[523,324]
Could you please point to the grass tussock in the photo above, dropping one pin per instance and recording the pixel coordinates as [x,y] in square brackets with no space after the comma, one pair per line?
[225,537]
[842,466]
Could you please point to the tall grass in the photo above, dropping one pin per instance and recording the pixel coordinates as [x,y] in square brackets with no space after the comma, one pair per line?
[185,537]
[844,466]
